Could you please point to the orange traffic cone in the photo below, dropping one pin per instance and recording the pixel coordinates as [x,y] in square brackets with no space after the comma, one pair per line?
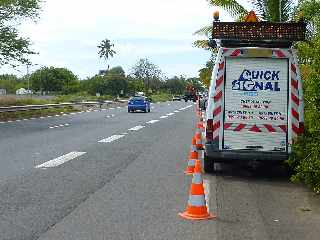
[198,137]
[193,155]
[200,125]
[196,208]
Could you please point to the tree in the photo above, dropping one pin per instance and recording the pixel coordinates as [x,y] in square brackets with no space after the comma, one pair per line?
[54,80]
[175,85]
[13,48]
[105,49]
[116,81]
[305,159]
[148,72]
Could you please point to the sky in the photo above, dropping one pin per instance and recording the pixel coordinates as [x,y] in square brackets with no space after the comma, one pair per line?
[68,32]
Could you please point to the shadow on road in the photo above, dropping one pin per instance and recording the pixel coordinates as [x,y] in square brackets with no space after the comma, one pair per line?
[259,171]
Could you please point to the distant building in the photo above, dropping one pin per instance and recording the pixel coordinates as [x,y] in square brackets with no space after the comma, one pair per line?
[3,91]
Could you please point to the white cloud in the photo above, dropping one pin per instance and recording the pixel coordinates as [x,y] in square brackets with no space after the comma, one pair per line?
[68,32]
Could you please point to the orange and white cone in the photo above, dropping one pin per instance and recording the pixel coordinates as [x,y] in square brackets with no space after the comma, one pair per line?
[197,208]
[193,155]
[200,125]
[198,137]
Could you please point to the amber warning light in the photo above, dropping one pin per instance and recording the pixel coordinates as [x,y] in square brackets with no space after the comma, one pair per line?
[216,15]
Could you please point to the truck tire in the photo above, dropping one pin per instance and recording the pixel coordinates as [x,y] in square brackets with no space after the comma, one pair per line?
[208,164]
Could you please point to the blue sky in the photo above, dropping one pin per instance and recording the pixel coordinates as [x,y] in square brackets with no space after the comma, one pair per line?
[68,32]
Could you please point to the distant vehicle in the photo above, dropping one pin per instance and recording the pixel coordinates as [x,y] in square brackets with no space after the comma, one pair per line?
[190,94]
[22,91]
[139,103]
[176,98]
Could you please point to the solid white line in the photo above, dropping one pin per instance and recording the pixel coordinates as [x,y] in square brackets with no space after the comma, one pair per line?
[163,117]
[170,114]
[136,128]
[206,186]
[111,139]
[60,160]
[176,111]
[153,121]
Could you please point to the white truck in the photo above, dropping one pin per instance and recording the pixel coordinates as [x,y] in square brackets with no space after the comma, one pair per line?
[255,107]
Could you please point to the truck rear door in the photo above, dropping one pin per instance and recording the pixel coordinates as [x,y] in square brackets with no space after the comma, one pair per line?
[256,104]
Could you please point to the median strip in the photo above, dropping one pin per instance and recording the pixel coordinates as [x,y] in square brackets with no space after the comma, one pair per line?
[60,160]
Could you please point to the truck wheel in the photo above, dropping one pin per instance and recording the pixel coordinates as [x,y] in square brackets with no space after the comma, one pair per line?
[208,164]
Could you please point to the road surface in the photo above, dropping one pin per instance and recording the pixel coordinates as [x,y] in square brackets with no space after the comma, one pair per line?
[115,175]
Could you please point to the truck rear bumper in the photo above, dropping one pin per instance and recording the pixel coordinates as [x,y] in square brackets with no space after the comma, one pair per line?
[233,155]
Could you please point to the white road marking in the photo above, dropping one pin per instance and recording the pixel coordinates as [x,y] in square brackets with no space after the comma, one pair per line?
[136,128]
[9,121]
[25,119]
[170,114]
[118,107]
[32,118]
[1,122]
[67,124]
[73,113]
[60,160]
[153,121]
[124,133]
[18,120]
[176,111]
[49,116]
[162,117]
[158,102]
[111,139]
[42,117]
[152,107]
[51,127]
[61,125]
[169,104]
[103,109]
[111,108]
[96,110]
[206,186]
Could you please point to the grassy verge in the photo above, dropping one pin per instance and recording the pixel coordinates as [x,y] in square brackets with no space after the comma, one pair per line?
[71,98]
[162,97]
[35,113]
[12,101]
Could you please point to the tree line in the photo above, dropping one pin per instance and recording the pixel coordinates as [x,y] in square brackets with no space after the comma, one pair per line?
[144,77]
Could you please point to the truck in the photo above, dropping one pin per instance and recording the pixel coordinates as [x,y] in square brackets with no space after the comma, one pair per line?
[190,94]
[255,104]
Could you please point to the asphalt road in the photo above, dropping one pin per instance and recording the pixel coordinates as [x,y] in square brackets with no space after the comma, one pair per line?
[131,184]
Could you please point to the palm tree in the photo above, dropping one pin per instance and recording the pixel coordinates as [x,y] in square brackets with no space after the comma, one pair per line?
[105,49]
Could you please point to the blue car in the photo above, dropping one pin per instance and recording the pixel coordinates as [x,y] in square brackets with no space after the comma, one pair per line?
[139,103]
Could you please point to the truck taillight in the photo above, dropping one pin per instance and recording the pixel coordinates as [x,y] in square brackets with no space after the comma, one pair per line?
[209,130]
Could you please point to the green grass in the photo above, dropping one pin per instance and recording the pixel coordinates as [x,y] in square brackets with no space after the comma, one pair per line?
[80,97]
[12,101]
[34,113]
[161,97]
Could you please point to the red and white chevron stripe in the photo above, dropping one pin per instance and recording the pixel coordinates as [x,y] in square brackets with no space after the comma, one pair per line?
[295,102]
[265,128]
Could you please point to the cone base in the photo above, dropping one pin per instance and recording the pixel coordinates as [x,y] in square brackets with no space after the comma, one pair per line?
[188,216]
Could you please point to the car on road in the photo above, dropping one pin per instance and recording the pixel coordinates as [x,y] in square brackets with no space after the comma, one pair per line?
[139,103]
[176,98]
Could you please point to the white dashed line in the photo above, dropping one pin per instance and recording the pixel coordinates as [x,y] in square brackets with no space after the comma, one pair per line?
[111,108]
[10,121]
[60,160]
[152,121]
[162,117]
[136,128]
[111,139]
[118,107]
[176,111]
[18,120]
[170,114]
